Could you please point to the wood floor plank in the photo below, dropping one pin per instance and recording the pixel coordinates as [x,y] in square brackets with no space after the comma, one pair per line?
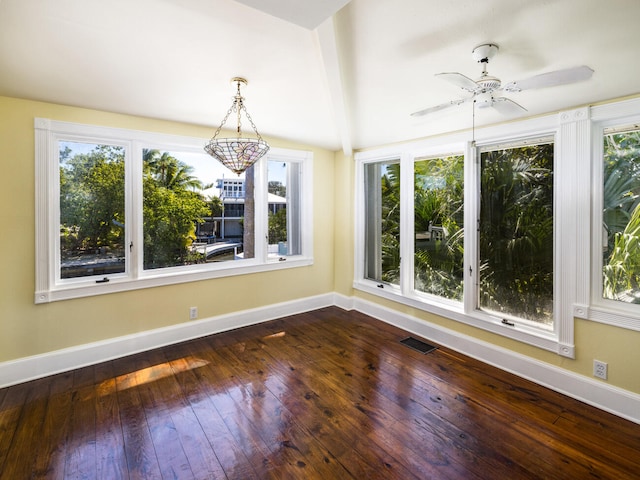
[239,453]
[13,402]
[290,442]
[81,447]
[51,458]
[200,453]
[26,439]
[393,419]
[487,397]
[111,459]
[159,399]
[318,395]
[243,408]
[142,462]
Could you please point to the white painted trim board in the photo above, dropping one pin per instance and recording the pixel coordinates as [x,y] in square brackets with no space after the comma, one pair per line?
[615,400]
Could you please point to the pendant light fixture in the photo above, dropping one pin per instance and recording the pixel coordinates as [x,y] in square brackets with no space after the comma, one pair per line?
[237,154]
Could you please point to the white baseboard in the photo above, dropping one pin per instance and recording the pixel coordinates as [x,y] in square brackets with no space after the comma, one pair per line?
[606,397]
[51,363]
[622,403]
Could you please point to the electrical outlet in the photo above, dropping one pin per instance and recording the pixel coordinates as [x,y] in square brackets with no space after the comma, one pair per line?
[193,313]
[600,369]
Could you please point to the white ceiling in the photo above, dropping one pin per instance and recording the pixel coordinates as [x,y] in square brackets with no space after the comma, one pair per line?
[351,82]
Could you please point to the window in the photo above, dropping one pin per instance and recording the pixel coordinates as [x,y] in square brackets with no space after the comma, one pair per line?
[439,226]
[285,221]
[382,222]
[516,232]
[191,215]
[614,293]
[93,235]
[621,214]
[416,203]
[120,209]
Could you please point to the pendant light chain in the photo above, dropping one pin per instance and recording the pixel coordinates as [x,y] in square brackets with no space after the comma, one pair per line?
[240,153]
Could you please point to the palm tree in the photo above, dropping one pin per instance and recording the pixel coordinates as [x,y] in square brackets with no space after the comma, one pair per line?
[438,200]
[170,172]
[516,231]
[621,216]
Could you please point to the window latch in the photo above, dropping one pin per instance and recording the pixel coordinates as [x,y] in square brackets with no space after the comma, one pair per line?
[104,280]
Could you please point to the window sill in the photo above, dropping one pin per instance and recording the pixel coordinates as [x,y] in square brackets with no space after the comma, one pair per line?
[609,315]
[536,337]
[156,279]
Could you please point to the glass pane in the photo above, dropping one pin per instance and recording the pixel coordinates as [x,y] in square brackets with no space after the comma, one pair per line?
[438,225]
[192,212]
[283,208]
[382,222]
[516,232]
[621,217]
[92,223]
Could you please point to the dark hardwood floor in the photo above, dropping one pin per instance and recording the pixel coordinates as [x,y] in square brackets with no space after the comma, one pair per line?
[327,395]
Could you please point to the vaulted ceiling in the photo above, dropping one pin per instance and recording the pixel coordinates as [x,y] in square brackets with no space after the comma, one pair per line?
[338,74]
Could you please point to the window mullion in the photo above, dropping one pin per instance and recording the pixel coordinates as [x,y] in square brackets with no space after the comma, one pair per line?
[261,231]
[407,231]
[134,209]
[471,231]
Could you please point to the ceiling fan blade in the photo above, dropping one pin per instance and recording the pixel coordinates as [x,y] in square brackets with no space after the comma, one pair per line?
[507,106]
[437,108]
[551,79]
[459,80]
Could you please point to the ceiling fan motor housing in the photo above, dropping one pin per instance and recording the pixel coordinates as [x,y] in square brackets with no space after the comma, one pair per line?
[487,83]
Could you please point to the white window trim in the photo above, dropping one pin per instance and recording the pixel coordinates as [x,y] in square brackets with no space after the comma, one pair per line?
[590,304]
[566,128]
[48,288]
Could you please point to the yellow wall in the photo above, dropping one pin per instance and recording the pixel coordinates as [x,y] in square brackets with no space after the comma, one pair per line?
[27,329]
[620,348]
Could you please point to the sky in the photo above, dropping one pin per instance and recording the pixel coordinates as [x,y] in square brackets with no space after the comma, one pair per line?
[206,168]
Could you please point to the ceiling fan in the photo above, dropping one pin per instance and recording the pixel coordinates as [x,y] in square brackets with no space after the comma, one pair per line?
[484,89]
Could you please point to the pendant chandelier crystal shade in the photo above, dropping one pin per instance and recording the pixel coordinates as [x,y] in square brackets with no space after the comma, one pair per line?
[237,154]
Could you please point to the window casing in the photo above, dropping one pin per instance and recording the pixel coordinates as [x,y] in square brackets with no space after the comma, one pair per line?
[461,301]
[153,225]
[611,295]
[583,240]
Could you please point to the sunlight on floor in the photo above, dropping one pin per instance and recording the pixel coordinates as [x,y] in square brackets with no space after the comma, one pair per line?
[150,374]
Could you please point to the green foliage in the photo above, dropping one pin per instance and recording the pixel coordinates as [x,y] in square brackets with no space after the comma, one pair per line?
[278,226]
[92,199]
[216,206]
[516,232]
[172,205]
[390,191]
[92,203]
[438,201]
[622,272]
[621,217]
